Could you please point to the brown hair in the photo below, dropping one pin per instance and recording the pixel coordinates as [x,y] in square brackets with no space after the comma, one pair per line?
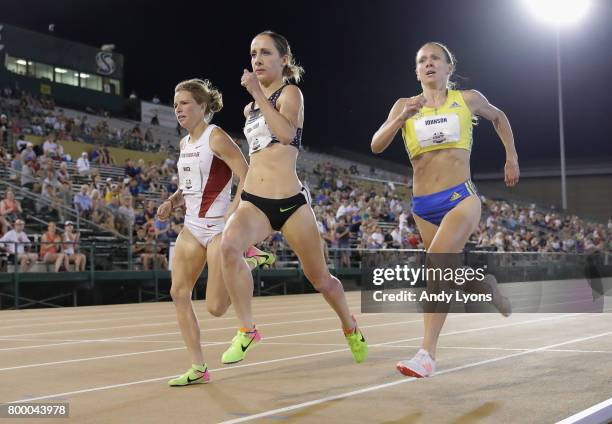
[203,92]
[450,59]
[292,70]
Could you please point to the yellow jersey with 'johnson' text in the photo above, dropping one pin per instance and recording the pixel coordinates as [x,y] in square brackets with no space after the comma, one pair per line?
[446,127]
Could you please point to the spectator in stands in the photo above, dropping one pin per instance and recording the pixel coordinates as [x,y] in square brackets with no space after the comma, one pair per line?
[161,229]
[15,242]
[105,157]
[113,193]
[10,208]
[51,179]
[125,215]
[178,217]
[107,220]
[82,202]
[71,247]
[28,175]
[29,153]
[134,189]
[63,175]
[149,214]
[5,129]
[173,185]
[342,237]
[43,204]
[65,197]
[51,248]
[169,168]
[152,254]
[130,170]
[139,246]
[15,166]
[50,146]
[173,231]
[83,167]
[113,206]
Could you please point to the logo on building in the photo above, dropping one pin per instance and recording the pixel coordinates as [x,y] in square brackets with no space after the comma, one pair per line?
[105,63]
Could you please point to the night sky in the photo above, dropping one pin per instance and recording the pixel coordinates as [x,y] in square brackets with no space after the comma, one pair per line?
[359,58]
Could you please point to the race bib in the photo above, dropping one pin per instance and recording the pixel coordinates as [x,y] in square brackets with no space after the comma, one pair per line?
[190,178]
[257,133]
[439,129]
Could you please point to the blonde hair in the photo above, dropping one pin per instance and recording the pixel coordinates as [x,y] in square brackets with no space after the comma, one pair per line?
[450,59]
[291,71]
[203,92]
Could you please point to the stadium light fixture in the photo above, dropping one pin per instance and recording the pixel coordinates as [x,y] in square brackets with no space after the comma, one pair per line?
[60,70]
[560,12]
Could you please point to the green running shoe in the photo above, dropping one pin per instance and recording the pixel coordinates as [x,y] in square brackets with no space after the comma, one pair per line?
[241,343]
[358,345]
[258,258]
[197,374]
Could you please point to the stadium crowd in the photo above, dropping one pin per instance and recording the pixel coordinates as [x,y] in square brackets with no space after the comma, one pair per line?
[351,212]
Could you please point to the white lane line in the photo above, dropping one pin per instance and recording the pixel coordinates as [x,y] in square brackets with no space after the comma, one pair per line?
[402,381]
[170,316]
[206,344]
[220,369]
[114,386]
[171,321]
[501,349]
[105,311]
[122,338]
[596,414]
[90,340]
[387,344]
[471,330]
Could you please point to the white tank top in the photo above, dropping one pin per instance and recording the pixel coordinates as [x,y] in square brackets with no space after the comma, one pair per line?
[205,179]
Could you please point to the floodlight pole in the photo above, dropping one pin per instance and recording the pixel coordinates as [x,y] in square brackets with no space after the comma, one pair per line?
[561,132]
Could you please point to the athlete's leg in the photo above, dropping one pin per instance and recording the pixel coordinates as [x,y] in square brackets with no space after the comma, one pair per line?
[187,264]
[454,231]
[428,232]
[217,297]
[302,235]
[247,226]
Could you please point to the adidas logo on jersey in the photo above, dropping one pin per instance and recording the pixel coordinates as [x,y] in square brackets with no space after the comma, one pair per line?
[455,196]
[455,104]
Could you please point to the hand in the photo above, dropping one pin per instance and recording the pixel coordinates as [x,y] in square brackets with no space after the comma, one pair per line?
[412,106]
[511,172]
[250,82]
[163,212]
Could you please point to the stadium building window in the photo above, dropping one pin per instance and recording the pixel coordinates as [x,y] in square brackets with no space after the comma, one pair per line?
[66,76]
[16,65]
[112,86]
[93,82]
[40,70]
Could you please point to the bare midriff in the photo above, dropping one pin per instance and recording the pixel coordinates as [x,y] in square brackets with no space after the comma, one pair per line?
[439,169]
[272,172]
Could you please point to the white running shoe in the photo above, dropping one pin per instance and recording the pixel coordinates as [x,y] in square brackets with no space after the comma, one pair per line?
[422,365]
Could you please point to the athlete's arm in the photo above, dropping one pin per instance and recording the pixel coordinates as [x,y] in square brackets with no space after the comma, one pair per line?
[173,201]
[283,123]
[479,105]
[224,147]
[402,110]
